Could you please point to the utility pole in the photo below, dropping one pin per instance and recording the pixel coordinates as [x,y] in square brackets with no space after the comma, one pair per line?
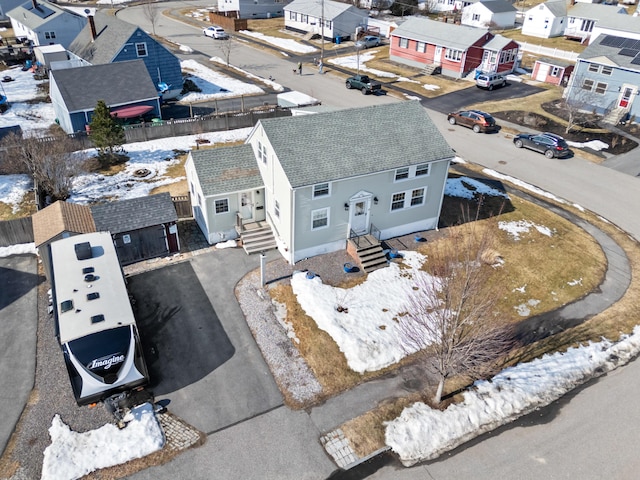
[322,34]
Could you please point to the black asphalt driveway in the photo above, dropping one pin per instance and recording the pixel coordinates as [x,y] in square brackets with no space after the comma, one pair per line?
[460,99]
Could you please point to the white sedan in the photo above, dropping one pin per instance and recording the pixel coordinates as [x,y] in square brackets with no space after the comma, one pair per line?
[215,32]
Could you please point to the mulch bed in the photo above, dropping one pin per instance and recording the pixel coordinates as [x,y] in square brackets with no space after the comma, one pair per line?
[617,143]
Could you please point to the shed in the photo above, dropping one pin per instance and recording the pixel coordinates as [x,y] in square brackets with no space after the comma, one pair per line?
[45,54]
[552,70]
[141,228]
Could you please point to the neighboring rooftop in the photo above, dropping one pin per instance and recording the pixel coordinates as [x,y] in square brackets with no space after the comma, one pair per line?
[61,217]
[134,213]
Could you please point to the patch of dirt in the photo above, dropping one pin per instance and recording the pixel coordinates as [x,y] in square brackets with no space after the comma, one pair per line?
[617,143]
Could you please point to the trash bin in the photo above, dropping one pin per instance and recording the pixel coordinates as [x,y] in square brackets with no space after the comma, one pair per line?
[338,40]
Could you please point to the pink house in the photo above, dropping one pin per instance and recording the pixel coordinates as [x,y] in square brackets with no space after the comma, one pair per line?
[456,50]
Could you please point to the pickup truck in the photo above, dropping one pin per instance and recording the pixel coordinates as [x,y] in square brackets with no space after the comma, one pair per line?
[363,83]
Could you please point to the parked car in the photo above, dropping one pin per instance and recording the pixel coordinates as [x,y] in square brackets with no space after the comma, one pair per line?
[368,41]
[490,80]
[477,120]
[215,32]
[550,144]
[363,83]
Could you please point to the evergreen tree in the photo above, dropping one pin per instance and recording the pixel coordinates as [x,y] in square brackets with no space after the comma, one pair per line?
[107,135]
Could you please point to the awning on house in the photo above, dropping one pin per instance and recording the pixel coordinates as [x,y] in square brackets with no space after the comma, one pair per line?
[131,112]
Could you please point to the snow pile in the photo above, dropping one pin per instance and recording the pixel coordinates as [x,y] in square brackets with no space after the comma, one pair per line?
[73,455]
[13,188]
[515,229]
[287,44]
[19,249]
[368,327]
[213,84]
[421,433]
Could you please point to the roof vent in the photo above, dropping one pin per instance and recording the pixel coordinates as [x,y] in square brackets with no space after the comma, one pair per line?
[83,250]
[86,270]
[97,318]
[90,277]
[93,296]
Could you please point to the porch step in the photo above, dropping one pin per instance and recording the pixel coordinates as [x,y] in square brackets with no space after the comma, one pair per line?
[258,239]
[431,69]
[615,115]
[371,256]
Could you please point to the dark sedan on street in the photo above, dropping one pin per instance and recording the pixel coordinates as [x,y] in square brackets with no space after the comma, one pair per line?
[477,120]
[552,145]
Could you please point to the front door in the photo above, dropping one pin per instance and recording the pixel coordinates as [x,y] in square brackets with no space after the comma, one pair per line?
[246,206]
[626,96]
[437,57]
[359,216]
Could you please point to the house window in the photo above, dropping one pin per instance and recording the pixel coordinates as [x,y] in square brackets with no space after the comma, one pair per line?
[421,47]
[404,43]
[304,18]
[417,197]
[554,72]
[141,49]
[327,24]
[531,16]
[402,173]
[453,55]
[587,84]
[262,152]
[222,206]
[476,17]
[594,68]
[423,169]
[199,200]
[606,70]
[321,190]
[397,201]
[192,189]
[319,218]
[601,88]
[276,208]
[49,35]
[293,16]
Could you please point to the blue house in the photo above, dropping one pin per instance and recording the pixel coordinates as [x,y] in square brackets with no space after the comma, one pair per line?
[606,77]
[125,87]
[106,39]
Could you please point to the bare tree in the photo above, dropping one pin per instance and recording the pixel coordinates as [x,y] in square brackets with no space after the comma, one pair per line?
[450,318]
[579,102]
[226,47]
[51,161]
[151,13]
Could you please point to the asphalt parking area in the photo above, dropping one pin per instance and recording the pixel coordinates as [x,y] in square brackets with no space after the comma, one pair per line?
[459,99]
[181,334]
[200,352]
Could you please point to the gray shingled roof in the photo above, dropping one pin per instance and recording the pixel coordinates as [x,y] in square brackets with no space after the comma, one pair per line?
[313,8]
[348,143]
[117,83]
[34,18]
[499,6]
[596,11]
[225,170]
[557,7]
[497,43]
[112,34]
[621,23]
[596,49]
[134,214]
[459,37]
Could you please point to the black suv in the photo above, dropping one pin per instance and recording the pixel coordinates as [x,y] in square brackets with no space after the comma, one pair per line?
[550,144]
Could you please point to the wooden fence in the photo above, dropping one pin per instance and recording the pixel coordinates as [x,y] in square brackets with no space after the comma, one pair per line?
[13,232]
[182,203]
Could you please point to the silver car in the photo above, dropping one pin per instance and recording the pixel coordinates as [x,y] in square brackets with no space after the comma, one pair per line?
[490,80]
[368,41]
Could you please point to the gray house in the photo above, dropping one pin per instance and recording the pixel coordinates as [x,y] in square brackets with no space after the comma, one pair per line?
[124,86]
[252,8]
[606,78]
[141,228]
[106,39]
[45,23]
[340,19]
[316,184]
